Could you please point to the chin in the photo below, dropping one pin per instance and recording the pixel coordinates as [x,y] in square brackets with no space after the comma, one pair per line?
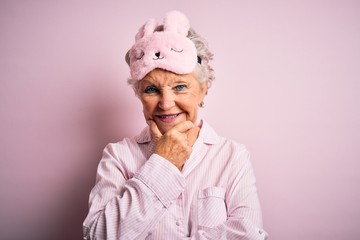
[164,128]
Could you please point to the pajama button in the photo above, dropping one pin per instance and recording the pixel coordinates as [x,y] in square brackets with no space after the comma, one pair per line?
[178,222]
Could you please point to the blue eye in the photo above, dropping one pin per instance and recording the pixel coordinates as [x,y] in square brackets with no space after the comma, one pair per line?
[150,90]
[180,88]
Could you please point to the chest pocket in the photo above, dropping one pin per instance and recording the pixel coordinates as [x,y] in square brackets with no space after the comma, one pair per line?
[211,207]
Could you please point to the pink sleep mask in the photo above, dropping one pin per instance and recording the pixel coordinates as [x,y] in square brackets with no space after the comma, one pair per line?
[169,49]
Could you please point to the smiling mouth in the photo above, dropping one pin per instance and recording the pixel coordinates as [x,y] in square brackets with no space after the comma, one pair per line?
[168,116]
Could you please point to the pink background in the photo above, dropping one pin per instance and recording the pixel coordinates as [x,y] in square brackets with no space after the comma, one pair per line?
[287,85]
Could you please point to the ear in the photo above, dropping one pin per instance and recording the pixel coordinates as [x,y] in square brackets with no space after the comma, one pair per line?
[204,89]
[177,22]
[147,29]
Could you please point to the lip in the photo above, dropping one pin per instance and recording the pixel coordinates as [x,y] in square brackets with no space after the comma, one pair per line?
[168,118]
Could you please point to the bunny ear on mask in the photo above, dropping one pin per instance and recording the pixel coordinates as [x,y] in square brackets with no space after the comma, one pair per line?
[176,21]
[146,29]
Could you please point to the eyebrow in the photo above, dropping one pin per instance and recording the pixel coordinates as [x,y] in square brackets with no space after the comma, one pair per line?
[154,83]
[148,82]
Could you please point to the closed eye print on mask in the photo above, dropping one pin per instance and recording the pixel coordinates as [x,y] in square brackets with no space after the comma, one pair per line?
[175,50]
[139,54]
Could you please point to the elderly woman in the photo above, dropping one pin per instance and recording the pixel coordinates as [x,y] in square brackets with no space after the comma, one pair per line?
[177,179]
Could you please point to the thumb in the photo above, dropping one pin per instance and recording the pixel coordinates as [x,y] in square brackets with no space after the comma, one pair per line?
[184,126]
[155,132]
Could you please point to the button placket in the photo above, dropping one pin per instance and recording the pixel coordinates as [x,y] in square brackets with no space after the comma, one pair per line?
[179,220]
[179,209]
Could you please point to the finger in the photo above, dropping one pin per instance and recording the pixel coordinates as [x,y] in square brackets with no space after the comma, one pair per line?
[184,126]
[155,132]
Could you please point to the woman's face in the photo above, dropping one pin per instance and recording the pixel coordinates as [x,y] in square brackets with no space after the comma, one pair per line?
[169,98]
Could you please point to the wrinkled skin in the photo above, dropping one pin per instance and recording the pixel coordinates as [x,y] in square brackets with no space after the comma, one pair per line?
[170,105]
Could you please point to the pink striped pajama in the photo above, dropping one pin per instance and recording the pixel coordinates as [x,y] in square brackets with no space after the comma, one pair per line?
[140,195]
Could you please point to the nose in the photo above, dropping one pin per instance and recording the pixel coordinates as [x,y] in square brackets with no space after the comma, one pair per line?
[167,100]
[157,54]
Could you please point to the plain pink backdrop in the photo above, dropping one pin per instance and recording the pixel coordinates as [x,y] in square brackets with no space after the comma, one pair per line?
[287,86]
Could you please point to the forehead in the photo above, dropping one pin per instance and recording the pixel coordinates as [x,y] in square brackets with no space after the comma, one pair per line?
[163,78]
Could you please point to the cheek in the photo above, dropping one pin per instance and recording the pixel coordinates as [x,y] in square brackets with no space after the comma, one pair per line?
[193,100]
[190,103]
[148,106]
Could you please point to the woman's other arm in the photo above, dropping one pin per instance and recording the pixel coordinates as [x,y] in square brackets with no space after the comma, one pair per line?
[122,208]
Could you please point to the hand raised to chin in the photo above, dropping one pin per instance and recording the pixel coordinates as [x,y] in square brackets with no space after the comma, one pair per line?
[176,144]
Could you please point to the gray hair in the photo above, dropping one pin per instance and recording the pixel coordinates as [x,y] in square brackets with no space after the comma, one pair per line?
[203,72]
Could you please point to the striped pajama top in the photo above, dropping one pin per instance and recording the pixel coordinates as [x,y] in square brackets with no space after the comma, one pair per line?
[140,195]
